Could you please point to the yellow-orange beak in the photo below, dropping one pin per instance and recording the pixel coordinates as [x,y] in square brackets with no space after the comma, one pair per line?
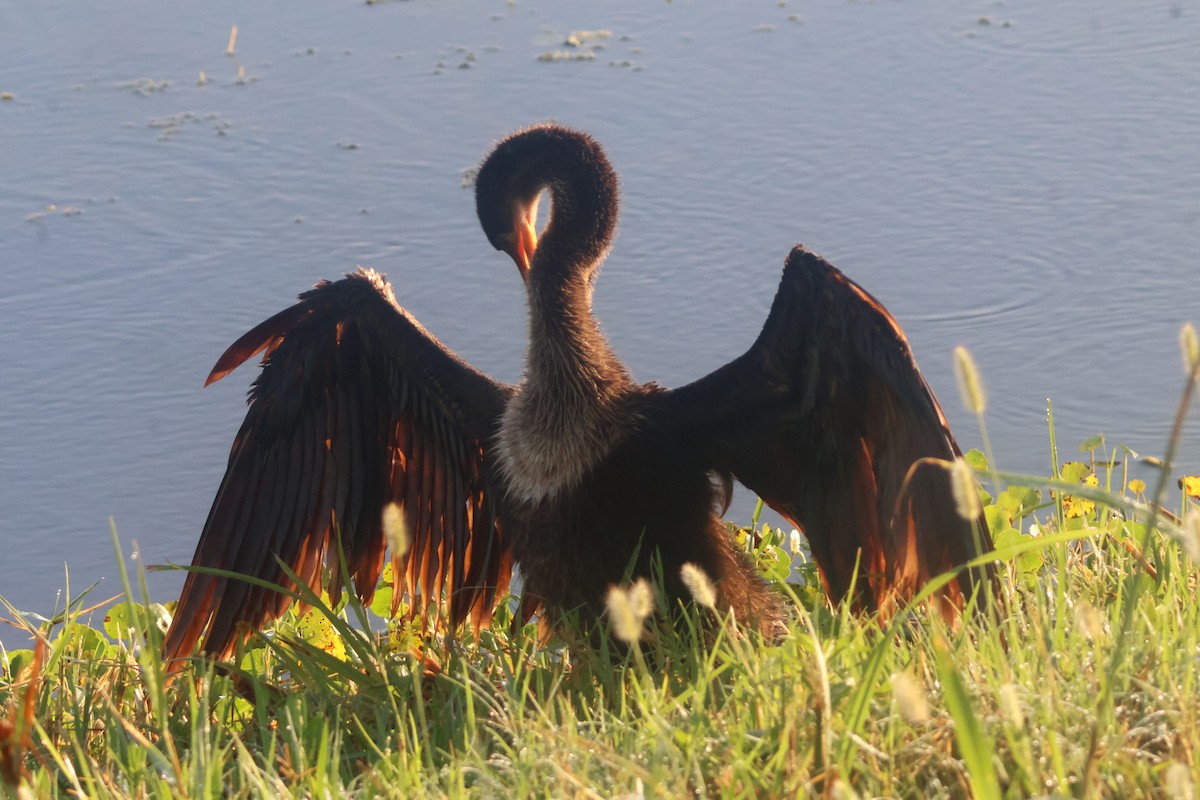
[524,242]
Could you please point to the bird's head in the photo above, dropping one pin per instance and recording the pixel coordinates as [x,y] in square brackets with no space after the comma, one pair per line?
[573,169]
[506,200]
[512,227]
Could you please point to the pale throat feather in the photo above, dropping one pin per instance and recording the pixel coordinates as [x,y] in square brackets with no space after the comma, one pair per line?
[567,414]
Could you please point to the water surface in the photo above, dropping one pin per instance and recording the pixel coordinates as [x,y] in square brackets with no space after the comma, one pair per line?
[1017,177]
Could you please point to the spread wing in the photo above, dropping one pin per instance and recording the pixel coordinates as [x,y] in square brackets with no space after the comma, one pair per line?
[827,418]
[357,406]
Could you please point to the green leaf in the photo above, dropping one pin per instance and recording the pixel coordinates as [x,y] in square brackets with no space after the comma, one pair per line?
[998,518]
[1091,443]
[1127,529]
[17,661]
[317,629]
[87,642]
[405,637]
[1028,561]
[1075,471]
[1019,500]
[117,622]
[254,660]
[381,603]
[120,623]
[976,459]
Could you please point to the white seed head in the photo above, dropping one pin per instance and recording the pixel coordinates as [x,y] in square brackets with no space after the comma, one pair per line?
[642,598]
[395,531]
[1179,782]
[1088,619]
[1189,344]
[1010,705]
[699,585]
[840,790]
[1190,535]
[969,382]
[910,699]
[962,484]
[628,609]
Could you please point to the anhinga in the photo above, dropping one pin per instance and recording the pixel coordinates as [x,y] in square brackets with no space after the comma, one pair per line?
[578,472]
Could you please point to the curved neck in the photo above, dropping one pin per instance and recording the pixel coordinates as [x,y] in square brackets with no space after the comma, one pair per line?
[568,353]
[567,348]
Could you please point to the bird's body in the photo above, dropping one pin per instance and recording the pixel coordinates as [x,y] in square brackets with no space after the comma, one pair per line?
[642,505]
[580,474]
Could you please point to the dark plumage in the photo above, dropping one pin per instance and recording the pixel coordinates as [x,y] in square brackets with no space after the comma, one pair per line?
[578,471]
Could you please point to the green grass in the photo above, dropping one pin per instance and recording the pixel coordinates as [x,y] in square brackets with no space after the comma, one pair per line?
[1085,685]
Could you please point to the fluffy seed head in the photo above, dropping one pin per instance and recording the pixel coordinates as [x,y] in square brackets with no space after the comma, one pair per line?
[628,609]
[1191,535]
[699,585]
[1178,782]
[962,484]
[1088,619]
[1010,705]
[969,382]
[910,699]
[1189,344]
[395,531]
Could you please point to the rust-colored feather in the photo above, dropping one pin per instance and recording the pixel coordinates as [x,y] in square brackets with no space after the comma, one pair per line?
[824,417]
[356,405]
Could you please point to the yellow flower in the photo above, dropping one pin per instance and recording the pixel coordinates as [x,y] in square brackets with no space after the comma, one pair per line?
[1076,507]
[1191,486]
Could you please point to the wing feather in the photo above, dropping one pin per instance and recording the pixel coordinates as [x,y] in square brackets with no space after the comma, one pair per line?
[827,418]
[356,405]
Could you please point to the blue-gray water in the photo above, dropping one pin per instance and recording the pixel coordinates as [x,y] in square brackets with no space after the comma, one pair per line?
[1022,178]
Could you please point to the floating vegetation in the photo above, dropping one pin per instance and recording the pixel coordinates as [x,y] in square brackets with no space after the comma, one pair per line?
[580,46]
[170,125]
[567,55]
[579,38]
[468,58]
[990,21]
[66,211]
[146,86]
[6,96]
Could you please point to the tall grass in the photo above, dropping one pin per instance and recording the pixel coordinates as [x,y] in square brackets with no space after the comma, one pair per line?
[1085,685]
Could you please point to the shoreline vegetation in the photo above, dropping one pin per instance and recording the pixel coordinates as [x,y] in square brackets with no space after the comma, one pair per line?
[1085,682]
